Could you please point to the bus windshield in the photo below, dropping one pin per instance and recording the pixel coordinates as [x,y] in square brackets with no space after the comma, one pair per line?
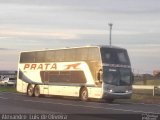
[115,56]
[117,76]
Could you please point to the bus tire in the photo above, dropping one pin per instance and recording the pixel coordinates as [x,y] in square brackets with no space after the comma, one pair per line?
[84,94]
[30,90]
[36,91]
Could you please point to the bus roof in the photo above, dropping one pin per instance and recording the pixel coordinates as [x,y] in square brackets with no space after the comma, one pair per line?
[98,46]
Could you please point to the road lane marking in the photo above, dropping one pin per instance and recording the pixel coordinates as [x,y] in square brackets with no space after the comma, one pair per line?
[3,98]
[149,104]
[117,109]
[11,93]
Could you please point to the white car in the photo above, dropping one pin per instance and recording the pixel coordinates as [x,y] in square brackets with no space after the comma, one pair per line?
[8,82]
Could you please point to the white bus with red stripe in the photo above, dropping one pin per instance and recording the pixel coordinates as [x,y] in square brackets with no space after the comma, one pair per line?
[102,72]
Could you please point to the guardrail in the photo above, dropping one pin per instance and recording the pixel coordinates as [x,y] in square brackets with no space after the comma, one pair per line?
[147,87]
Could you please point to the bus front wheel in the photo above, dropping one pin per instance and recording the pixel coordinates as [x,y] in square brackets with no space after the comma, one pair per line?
[84,94]
[36,91]
[30,90]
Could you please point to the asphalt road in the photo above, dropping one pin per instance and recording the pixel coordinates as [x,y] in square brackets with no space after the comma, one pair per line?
[15,103]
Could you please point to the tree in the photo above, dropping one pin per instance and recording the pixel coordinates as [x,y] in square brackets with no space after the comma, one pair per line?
[156,73]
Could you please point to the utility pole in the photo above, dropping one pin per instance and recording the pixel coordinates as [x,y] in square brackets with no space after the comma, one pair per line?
[110,39]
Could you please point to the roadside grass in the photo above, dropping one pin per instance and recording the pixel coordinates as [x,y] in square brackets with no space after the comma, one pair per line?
[148,82]
[143,96]
[138,98]
[7,89]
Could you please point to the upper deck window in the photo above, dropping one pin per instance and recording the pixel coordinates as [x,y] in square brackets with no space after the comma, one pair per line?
[115,56]
[27,57]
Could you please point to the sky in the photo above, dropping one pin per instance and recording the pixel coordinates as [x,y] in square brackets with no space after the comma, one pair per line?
[49,24]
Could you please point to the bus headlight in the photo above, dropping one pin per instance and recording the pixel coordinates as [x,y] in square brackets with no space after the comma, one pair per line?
[110,90]
[127,91]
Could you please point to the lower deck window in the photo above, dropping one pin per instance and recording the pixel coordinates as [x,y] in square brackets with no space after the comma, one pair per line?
[63,76]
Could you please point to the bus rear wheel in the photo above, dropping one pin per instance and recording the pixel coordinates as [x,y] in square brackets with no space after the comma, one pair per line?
[36,91]
[30,90]
[84,94]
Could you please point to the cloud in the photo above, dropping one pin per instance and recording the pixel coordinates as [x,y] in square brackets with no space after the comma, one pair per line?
[38,34]
[6,49]
[38,24]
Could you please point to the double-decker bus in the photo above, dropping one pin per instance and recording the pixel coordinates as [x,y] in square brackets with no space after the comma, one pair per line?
[102,72]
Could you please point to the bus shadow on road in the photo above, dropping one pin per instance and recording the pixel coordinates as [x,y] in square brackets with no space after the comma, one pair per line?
[75,99]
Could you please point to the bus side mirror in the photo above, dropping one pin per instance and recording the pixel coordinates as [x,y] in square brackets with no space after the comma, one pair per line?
[99,75]
[132,78]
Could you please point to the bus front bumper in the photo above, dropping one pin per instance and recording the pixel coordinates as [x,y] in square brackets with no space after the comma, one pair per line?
[113,95]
